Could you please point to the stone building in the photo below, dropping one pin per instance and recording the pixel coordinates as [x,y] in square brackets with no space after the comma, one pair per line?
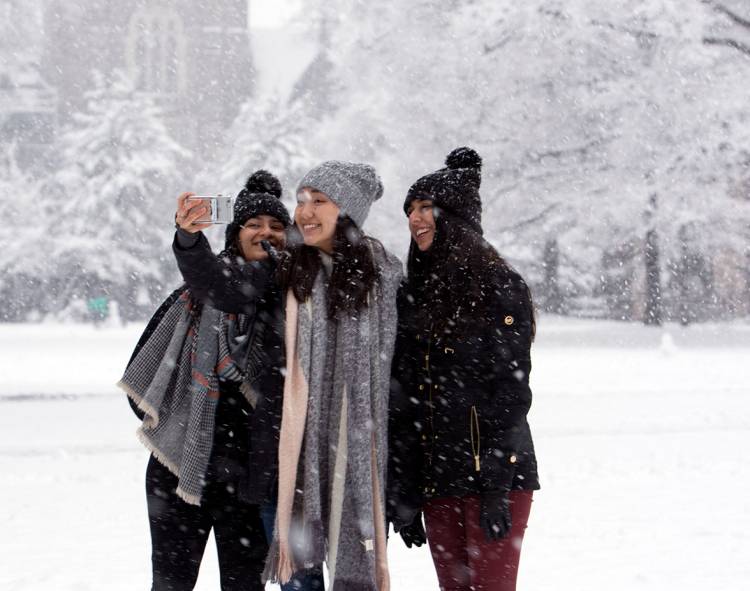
[193,56]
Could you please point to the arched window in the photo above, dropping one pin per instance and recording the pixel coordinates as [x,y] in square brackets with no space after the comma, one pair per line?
[155,52]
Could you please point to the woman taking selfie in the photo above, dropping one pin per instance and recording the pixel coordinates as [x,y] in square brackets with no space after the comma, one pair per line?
[461,451]
[208,387]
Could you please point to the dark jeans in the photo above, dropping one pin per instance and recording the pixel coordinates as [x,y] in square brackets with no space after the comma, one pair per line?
[310,581]
[179,532]
[465,560]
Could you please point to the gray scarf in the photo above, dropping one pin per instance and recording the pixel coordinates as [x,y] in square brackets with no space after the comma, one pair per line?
[174,379]
[332,499]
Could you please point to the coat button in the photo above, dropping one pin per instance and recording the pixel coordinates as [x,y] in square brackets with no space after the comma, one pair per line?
[508,320]
[424,437]
[513,459]
[421,386]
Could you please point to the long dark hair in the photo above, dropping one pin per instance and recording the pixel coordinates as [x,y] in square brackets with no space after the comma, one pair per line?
[451,283]
[354,270]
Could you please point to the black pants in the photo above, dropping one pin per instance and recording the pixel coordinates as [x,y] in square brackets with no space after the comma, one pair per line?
[179,532]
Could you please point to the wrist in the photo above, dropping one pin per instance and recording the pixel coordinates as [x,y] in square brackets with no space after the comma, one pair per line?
[186,239]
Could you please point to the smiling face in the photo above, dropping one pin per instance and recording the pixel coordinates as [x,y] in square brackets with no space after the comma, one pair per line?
[422,223]
[256,229]
[316,217]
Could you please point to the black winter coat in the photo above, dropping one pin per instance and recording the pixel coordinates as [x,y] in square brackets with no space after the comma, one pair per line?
[459,402]
[245,446]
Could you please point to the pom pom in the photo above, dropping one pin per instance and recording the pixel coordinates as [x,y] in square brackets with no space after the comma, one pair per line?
[463,158]
[262,181]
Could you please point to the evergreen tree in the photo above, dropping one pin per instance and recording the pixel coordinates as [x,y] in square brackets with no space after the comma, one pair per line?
[20,258]
[113,192]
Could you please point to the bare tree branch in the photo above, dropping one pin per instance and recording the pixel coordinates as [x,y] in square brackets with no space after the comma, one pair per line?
[729,43]
[718,7]
[582,149]
[500,44]
[529,221]
[638,33]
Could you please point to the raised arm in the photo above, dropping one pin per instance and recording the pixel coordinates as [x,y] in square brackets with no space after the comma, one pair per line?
[233,286]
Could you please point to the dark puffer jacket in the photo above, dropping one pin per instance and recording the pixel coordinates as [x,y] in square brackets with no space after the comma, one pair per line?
[459,400]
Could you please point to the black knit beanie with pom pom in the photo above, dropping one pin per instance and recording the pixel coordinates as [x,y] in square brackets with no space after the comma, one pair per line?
[261,195]
[455,188]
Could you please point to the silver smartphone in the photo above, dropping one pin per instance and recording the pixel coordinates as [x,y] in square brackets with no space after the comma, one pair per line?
[220,209]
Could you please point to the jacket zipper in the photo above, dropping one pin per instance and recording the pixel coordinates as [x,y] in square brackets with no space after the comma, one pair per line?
[475,441]
[429,393]
[427,355]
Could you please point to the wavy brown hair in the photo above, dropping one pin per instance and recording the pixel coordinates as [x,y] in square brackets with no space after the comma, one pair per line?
[354,270]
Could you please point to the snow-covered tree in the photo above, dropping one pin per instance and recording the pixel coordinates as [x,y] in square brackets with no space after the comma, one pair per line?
[19,32]
[607,130]
[681,149]
[111,201]
[19,282]
[267,133]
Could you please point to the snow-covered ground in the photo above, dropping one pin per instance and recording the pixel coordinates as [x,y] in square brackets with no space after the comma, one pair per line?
[642,435]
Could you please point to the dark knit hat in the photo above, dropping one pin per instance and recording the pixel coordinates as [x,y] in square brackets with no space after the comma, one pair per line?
[261,195]
[454,188]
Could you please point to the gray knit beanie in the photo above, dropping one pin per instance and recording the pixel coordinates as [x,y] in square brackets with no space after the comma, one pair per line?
[350,185]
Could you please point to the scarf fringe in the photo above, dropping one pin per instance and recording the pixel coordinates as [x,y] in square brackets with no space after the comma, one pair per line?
[271,570]
[187,497]
[171,466]
[152,416]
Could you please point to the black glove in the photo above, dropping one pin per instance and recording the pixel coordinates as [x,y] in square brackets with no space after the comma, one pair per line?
[494,514]
[413,534]
[273,254]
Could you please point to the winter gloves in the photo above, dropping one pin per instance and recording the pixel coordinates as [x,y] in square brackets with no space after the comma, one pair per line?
[494,514]
[413,534]
[494,519]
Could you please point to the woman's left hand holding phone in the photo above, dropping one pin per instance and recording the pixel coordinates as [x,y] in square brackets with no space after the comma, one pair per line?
[189,211]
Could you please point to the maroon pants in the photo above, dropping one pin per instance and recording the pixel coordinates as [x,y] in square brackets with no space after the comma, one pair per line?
[464,559]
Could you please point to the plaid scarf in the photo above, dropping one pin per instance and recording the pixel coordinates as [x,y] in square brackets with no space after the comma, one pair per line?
[174,379]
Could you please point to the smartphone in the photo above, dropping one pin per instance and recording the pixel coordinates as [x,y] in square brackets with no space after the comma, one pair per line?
[220,209]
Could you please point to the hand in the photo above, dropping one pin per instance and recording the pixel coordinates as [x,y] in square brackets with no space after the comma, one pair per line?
[190,211]
[273,254]
[413,534]
[494,514]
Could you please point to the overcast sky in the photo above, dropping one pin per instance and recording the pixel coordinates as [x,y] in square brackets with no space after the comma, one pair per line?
[271,13]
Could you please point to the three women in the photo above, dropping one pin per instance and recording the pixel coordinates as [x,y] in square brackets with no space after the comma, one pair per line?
[460,448]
